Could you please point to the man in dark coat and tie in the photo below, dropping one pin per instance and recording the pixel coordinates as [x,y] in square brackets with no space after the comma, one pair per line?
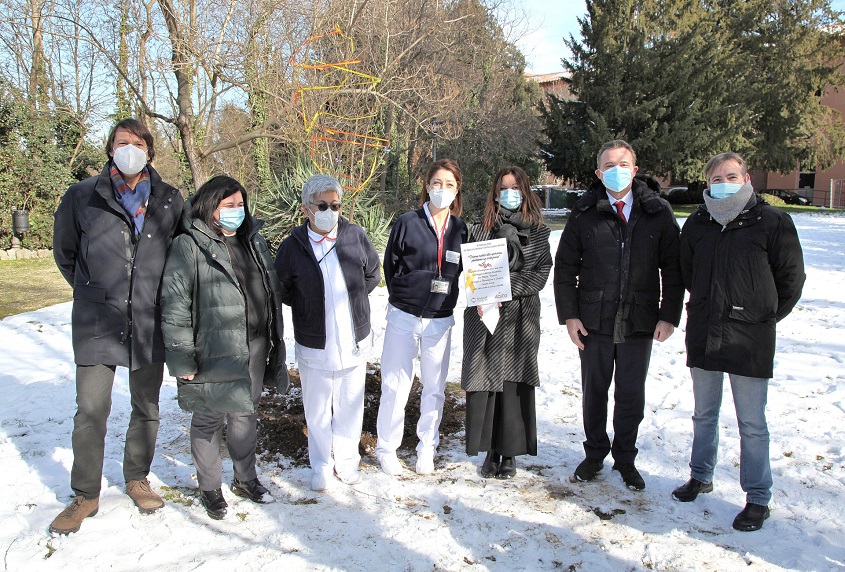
[618,287]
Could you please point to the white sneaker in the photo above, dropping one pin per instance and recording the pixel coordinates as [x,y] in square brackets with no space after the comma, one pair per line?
[425,462]
[351,477]
[319,482]
[390,464]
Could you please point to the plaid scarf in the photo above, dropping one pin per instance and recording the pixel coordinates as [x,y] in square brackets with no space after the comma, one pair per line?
[133,201]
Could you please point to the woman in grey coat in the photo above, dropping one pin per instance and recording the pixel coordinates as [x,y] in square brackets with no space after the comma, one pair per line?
[499,371]
[222,326]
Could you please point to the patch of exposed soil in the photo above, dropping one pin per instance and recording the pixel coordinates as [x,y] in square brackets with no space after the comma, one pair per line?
[282,431]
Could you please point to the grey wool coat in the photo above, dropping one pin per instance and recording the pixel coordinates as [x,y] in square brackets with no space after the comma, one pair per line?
[115,276]
[205,320]
[510,354]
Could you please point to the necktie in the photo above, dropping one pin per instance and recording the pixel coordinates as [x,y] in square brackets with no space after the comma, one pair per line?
[619,206]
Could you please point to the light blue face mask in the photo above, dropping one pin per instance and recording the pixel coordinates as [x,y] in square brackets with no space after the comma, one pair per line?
[510,199]
[617,178]
[722,190]
[231,219]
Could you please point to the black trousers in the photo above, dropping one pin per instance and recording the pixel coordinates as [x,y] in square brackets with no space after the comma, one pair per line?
[503,421]
[603,361]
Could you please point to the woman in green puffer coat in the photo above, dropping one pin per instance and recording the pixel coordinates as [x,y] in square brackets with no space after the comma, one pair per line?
[222,326]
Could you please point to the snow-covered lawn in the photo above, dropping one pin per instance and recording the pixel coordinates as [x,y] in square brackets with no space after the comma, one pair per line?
[454,519]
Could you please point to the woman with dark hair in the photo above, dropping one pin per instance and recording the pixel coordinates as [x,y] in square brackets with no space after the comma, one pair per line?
[222,325]
[499,370]
[422,264]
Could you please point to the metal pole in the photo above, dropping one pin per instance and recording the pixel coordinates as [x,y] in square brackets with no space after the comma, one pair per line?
[831,192]
[434,143]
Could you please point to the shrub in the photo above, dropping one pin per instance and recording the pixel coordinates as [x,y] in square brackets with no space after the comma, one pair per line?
[279,207]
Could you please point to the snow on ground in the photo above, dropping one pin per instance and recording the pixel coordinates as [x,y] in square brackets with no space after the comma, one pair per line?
[454,519]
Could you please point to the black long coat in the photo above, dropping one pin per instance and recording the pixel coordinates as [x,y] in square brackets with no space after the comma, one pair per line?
[611,274]
[115,276]
[742,280]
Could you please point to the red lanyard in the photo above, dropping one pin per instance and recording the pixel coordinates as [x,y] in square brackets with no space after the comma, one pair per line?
[440,237]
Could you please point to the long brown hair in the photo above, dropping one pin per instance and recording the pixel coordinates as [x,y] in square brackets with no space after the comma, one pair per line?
[457,206]
[530,207]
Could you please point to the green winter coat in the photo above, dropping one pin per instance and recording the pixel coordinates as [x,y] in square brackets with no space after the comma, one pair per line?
[204,321]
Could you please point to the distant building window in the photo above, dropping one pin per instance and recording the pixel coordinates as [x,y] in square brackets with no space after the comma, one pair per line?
[807,180]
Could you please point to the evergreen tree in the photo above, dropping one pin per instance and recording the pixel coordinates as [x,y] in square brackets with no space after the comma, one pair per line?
[684,80]
[791,51]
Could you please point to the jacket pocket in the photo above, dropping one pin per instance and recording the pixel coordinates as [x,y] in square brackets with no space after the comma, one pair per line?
[751,314]
[644,312]
[88,293]
[589,308]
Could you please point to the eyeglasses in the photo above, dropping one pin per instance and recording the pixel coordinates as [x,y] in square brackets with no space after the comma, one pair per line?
[325,206]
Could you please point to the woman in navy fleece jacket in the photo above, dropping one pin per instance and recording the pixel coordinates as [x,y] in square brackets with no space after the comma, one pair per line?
[422,264]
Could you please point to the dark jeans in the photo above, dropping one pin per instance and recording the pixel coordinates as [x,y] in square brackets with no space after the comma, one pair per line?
[599,358]
[93,405]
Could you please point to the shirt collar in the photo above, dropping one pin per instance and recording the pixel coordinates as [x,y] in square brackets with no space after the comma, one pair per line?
[431,218]
[628,199]
[317,237]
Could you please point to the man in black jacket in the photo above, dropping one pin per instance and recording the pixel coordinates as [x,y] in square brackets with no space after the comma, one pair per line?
[617,254]
[742,263]
[110,239]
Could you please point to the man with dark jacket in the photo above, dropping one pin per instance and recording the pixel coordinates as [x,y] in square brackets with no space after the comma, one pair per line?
[111,235]
[617,254]
[743,266]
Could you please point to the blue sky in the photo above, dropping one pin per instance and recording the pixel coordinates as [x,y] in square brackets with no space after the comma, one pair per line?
[552,20]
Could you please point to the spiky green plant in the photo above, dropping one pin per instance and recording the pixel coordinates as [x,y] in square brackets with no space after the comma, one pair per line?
[369,214]
[279,206]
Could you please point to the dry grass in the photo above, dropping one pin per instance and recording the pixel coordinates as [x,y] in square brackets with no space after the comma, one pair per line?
[27,285]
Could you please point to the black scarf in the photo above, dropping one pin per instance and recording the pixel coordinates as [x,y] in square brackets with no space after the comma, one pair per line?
[511,226]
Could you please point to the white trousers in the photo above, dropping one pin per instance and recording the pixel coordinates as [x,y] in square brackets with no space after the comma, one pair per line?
[334,412]
[397,374]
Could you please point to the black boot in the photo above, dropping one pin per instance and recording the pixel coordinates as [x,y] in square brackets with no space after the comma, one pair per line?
[751,518]
[688,491]
[214,503]
[507,469]
[490,467]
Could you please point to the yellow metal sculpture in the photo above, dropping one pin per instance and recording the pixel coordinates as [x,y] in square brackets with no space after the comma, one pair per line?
[337,104]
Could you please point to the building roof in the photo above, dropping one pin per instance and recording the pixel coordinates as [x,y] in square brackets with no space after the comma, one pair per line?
[546,77]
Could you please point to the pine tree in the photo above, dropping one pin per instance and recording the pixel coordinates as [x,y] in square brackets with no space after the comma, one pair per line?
[682,80]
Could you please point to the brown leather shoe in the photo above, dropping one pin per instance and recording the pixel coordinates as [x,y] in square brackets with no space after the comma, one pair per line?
[70,519]
[145,498]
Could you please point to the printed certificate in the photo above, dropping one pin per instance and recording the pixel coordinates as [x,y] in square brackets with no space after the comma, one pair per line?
[487,279]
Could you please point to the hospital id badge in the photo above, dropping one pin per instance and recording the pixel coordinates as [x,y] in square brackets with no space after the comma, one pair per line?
[440,286]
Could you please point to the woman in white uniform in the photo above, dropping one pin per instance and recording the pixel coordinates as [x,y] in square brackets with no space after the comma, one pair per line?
[422,264]
[327,268]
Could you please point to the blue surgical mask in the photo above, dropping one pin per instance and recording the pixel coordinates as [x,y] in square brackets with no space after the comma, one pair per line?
[722,190]
[510,199]
[617,178]
[231,219]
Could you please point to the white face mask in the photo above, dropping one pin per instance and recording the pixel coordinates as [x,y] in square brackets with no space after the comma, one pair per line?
[326,220]
[441,198]
[130,160]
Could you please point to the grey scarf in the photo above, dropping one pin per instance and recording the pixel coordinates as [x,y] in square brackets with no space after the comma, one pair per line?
[725,210]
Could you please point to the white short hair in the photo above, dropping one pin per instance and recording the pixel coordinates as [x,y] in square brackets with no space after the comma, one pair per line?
[319,184]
